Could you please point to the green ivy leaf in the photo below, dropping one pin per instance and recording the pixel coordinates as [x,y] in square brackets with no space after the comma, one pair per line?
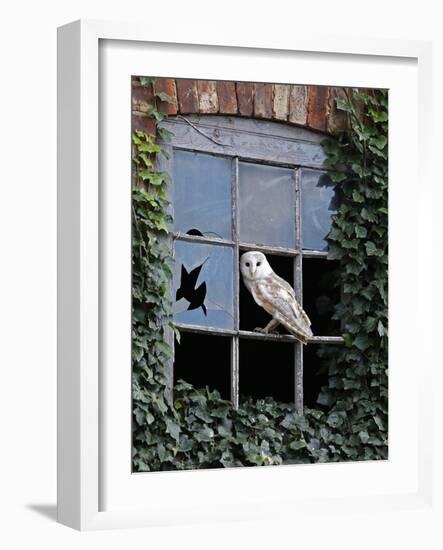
[165,135]
[337,177]
[368,215]
[147,81]
[335,419]
[330,146]
[297,445]
[155,113]
[344,105]
[148,147]
[361,342]
[372,250]
[357,196]
[378,116]
[173,429]
[379,141]
[163,96]
[205,434]
[361,231]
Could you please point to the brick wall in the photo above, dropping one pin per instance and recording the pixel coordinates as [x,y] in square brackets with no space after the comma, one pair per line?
[312,107]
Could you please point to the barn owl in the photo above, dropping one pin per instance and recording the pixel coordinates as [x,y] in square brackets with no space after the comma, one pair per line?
[275,296]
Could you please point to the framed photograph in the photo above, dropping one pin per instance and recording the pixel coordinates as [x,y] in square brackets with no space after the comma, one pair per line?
[239,232]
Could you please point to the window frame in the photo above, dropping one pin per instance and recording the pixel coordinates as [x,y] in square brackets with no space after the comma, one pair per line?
[259,142]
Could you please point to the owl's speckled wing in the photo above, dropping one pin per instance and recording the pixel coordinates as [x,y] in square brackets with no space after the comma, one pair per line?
[277,297]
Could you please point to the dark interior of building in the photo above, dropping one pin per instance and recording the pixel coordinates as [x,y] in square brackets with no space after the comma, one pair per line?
[266,368]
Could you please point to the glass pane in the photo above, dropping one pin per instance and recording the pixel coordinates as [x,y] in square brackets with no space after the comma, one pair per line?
[204,285]
[267,205]
[202,194]
[318,204]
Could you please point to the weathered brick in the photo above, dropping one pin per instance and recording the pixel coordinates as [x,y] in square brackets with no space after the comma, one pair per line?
[245,98]
[227,99]
[187,95]
[166,85]
[317,105]
[298,105]
[142,97]
[280,101]
[263,101]
[336,120]
[143,123]
[207,96]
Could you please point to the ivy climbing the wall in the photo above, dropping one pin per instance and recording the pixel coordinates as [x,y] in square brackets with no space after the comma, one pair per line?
[198,429]
[358,383]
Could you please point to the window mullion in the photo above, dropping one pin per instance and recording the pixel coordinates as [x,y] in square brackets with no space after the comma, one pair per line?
[234,372]
[235,339]
[298,287]
[165,163]
[298,259]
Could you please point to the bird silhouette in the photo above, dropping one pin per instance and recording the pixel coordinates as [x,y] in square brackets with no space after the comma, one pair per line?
[197,233]
[195,296]
[194,232]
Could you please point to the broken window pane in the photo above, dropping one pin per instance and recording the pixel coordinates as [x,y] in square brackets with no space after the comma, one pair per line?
[251,314]
[321,294]
[203,285]
[204,360]
[317,206]
[315,371]
[202,194]
[267,369]
[267,205]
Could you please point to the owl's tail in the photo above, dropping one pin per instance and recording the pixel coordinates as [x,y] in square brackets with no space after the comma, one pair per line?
[302,336]
[302,333]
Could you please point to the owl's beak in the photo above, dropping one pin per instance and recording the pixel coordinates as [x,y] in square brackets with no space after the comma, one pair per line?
[253,270]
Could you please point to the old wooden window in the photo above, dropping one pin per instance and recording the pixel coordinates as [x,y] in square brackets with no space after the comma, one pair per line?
[238,185]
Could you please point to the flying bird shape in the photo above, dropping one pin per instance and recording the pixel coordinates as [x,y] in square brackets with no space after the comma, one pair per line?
[195,296]
[275,296]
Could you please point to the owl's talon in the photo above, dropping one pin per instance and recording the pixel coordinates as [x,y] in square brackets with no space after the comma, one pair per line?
[259,329]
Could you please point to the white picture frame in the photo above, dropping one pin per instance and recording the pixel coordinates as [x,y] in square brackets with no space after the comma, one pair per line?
[96,489]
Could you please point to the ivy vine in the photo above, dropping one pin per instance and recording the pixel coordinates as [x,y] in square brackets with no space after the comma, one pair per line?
[198,429]
[358,380]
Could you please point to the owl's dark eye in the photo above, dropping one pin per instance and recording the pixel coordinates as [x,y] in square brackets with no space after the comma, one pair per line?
[247,264]
[258,263]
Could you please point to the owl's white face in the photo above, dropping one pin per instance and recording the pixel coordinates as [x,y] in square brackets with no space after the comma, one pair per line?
[254,266]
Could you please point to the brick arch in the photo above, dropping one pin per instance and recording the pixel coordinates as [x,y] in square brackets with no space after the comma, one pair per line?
[311,107]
